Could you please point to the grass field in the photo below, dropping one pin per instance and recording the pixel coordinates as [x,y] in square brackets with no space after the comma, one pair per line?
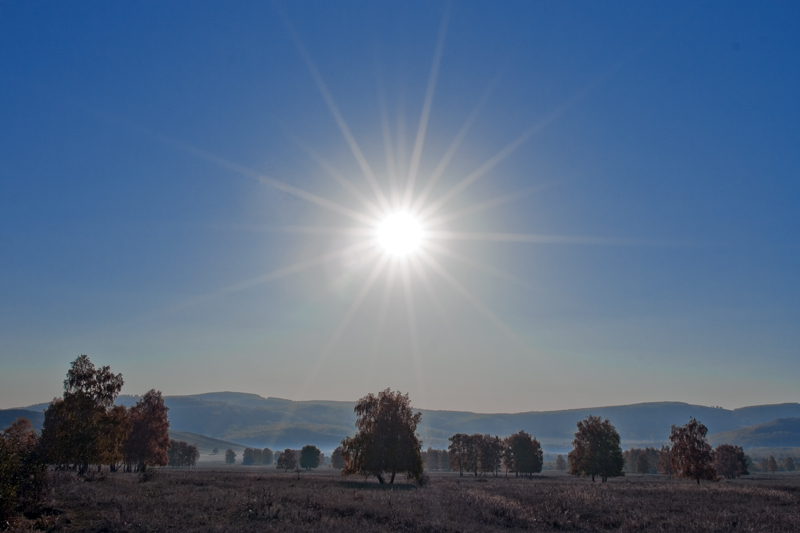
[240,499]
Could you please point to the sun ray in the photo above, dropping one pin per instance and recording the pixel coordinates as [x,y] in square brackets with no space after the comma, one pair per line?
[550,239]
[453,148]
[503,153]
[416,154]
[285,187]
[443,250]
[391,165]
[384,309]
[337,115]
[341,180]
[471,298]
[345,321]
[483,206]
[416,353]
[309,230]
[437,303]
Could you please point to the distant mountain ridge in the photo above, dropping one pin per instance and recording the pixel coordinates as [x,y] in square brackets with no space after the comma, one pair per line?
[252,420]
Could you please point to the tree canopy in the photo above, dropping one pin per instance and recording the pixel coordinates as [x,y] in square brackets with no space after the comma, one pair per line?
[386,441]
[691,454]
[596,450]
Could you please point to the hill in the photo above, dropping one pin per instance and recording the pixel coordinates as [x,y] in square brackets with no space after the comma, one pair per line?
[778,433]
[253,420]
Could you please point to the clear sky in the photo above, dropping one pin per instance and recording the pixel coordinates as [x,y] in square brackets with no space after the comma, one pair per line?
[156,162]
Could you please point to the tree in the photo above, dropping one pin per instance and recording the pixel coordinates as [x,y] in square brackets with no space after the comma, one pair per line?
[230,456]
[287,460]
[664,465]
[215,451]
[730,461]
[182,454]
[691,454]
[386,441]
[772,464]
[148,442]
[309,457]
[596,450]
[337,459]
[458,452]
[642,464]
[82,428]
[266,456]
[251,456]
[561,463]
[23,473]
[788,464]
[523,454]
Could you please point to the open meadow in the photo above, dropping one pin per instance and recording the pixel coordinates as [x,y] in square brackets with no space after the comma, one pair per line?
[260,499]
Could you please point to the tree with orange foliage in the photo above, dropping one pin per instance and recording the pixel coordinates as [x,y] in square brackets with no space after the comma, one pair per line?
[76,428]
[691,454]
[387,440]
[148,442]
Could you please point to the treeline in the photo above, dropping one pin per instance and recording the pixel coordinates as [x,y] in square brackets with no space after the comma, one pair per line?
[84,429]
[181,454]
[477,453]
[254,456]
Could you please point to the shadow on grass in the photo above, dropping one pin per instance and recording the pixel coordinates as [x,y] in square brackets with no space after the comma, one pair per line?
[374,485]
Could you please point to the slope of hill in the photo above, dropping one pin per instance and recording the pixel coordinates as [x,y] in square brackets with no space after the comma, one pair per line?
[205,444]
[778,433]
[7,416]
[276,423]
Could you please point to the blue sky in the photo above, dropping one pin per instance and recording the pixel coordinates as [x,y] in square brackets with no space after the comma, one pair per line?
[662,163]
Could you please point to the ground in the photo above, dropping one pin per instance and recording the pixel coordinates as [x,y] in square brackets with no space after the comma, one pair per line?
[260,499]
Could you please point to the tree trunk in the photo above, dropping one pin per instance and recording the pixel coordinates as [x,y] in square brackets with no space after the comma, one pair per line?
[391,481]
[380,478]
[592,478]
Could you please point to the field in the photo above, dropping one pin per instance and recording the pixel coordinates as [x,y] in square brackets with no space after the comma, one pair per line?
[259,499]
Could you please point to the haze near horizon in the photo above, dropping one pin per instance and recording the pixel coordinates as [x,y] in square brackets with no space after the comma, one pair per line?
[495,208]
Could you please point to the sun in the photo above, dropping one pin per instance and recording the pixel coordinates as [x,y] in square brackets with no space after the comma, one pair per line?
[400,234]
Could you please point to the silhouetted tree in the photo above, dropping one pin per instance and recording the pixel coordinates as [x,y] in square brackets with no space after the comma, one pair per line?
[23,473]
[309,457]
[337,460]
[642,464]
[386,441]
[252,456]
[596,450]
[664,465]
[561,463]
[148,442]
[215,451]
[230,456]
[287,460]
[458,452]
[181,454]
[691,454]
[266,456]
[76,428]
[772,464]
[729,461]
[523,454]
[788,464]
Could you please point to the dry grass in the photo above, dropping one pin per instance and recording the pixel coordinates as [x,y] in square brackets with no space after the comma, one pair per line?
[262,499]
